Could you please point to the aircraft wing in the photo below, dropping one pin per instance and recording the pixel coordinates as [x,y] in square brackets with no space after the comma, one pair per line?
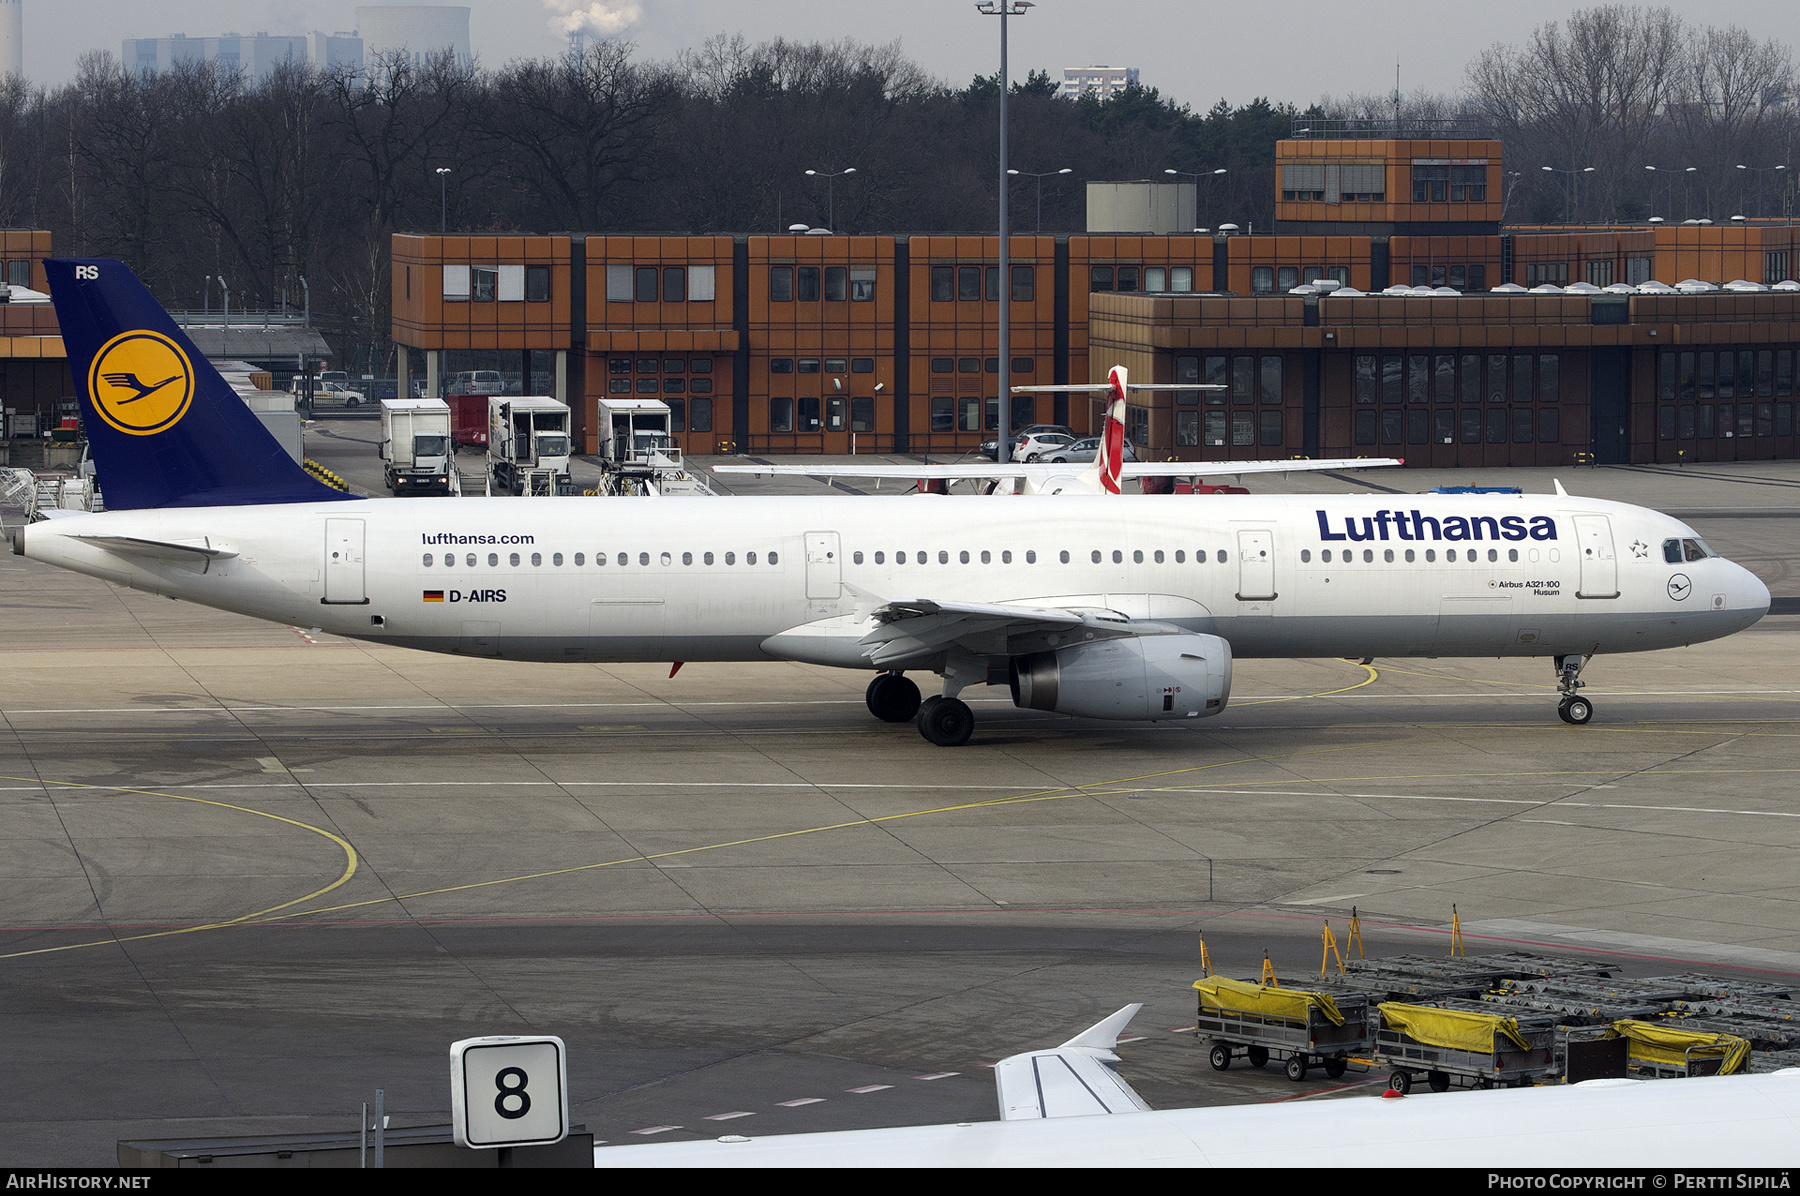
[1038,470]
[1072,1080]
[924,627]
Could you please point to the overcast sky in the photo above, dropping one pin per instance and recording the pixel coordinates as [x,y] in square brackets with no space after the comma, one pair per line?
[1196,51]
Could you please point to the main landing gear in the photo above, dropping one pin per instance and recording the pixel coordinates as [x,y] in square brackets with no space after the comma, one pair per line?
[892,698]
[1573,709]
[945,721]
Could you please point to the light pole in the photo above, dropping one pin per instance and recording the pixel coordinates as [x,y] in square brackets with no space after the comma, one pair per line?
[1569,209]
[1204,174]
[1684,182]
[443,173]
[1760,171]
[831,192]
[1003,436]
[1031,174]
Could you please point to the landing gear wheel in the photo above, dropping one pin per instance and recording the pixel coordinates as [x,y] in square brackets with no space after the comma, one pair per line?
[1335,1068]
[1219,1057]
[1575,711]
[1295,1068]
[1401,1082]
[1258,1056]
[1438,1081]
[892,698]
[947,722]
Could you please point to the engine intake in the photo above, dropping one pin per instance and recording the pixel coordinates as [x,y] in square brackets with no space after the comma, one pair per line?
[1146,678]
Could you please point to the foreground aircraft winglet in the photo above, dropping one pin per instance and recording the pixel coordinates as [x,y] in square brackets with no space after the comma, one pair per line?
[1072,1080]
[165,429]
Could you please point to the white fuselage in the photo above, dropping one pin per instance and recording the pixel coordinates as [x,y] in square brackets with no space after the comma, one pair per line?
[796,577]
[1750,1121]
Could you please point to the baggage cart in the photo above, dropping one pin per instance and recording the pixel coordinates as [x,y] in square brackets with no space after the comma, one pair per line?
[1299,1027]
[1477,1048]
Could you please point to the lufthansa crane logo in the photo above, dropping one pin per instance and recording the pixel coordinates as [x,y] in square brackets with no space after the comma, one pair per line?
[141,383]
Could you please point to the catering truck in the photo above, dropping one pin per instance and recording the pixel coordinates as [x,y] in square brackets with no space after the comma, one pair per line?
[528,445]
[415,445]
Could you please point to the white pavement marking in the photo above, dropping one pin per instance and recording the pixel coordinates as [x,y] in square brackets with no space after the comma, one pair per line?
[795,1104]
[1386,695]
[938,1075]
[1333,900]
[1133,1038]
[656,1129]
[1499,801]
[867,1088]
[729,1116]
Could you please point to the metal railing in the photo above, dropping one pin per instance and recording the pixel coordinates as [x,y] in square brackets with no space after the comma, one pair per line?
[252,318]
[1383,128]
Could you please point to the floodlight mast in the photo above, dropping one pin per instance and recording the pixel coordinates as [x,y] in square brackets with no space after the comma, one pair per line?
[1003,435]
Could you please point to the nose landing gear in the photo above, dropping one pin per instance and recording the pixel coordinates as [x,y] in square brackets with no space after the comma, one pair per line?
[1573,709]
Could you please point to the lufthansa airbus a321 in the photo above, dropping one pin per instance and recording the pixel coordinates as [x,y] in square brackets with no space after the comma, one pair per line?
[1095,604]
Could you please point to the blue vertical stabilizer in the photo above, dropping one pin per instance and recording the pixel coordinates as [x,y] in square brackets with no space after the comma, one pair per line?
[164,428]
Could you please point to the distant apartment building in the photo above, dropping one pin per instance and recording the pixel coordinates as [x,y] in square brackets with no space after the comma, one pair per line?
[257,55]
[1105,81]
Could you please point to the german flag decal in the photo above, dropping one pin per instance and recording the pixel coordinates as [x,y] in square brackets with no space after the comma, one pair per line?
[434,595]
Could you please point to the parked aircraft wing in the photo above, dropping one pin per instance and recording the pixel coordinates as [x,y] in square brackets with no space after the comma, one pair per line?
[983,471]
[1072,1080]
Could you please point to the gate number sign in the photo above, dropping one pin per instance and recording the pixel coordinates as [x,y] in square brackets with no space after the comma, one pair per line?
[509,1091]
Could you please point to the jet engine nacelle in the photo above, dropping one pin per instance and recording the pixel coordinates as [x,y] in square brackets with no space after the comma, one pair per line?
[1149,678]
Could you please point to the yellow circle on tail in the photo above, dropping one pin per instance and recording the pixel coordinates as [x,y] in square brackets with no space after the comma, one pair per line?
[141,383]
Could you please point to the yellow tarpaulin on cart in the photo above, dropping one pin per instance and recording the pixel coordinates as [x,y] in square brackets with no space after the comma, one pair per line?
[1453,1029]
[1669,1046]
[1240,996]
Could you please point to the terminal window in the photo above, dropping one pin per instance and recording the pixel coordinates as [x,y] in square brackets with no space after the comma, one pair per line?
[943,284]
[862,284]
[537,284]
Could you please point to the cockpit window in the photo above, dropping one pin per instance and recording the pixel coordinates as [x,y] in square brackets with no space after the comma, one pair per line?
[1697,550]
[1672,551]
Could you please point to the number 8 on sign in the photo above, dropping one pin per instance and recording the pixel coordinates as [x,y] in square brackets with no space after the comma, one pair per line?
[511,1082]
[509,1091]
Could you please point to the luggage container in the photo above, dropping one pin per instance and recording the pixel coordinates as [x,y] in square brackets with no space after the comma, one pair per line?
[1299,1026]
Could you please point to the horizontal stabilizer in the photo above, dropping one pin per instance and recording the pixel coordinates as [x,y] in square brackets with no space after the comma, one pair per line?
[192,551]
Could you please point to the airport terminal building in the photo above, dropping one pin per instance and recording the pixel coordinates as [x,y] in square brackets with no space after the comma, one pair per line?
[1505,348]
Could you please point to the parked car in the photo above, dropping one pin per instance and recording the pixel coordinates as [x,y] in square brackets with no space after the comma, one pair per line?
[1038,446]
[991,448]
[1085,449]
[337,392]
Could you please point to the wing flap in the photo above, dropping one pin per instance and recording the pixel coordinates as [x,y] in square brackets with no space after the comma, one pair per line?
[912,628]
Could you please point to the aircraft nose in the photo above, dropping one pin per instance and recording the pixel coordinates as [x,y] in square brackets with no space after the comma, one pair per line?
[1751,594]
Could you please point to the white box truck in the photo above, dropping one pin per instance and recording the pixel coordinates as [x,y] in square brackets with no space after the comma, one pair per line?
[415,445]
[528,445]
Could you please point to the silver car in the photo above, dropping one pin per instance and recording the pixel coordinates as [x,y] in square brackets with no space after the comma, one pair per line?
[1084,451]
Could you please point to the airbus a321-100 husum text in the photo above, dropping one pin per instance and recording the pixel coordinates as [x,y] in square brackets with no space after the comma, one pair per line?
[1077,599]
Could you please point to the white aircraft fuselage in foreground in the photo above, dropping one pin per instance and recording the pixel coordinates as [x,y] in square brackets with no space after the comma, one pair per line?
[1735,1122]
[1103,605]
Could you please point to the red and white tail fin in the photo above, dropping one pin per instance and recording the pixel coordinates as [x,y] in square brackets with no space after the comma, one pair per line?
[1112,435]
